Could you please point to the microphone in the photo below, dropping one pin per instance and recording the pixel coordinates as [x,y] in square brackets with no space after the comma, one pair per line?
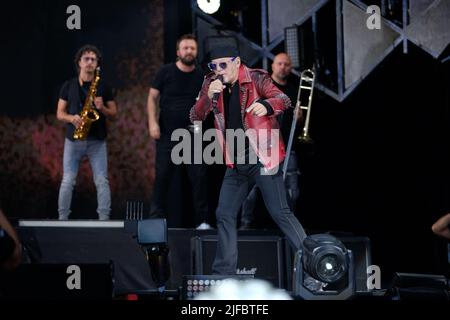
[216,95]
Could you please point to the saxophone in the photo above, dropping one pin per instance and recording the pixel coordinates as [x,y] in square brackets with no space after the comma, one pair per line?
[88,114]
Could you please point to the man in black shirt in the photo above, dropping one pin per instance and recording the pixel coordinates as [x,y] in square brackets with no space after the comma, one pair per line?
[281,69]
[175,88]
[71,100]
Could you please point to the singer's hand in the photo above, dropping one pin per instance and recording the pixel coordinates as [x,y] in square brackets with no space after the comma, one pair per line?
[257,109]
[215,87]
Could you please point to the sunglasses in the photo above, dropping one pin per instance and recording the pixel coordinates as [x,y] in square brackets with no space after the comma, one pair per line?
[87,59]
[222,65]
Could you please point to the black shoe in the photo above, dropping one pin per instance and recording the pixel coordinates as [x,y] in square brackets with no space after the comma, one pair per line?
[245,226]
[156,215]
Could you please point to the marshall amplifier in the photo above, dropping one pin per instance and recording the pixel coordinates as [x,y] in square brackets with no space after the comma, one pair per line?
[263,257]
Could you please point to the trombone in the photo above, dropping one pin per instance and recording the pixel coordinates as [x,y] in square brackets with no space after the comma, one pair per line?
[307,78]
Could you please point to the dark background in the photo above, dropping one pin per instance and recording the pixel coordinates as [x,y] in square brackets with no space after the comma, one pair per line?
[380,161]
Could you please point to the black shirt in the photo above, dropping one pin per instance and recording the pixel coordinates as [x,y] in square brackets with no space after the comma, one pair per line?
[232,106]
[178,91]
[75,95]
[286,117]
[233,118]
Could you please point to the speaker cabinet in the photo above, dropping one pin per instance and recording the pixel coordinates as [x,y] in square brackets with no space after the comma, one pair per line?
[263,257]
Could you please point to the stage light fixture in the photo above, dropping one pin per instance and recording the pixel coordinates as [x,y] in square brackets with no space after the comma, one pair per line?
[291,44]
[209,6]
[323,269]
[324,258]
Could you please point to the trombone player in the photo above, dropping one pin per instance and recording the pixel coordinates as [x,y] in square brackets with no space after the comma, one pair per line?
[281,71]
[74,98]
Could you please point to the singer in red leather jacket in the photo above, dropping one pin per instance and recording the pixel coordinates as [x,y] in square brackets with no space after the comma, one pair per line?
[246,100]
[255,85]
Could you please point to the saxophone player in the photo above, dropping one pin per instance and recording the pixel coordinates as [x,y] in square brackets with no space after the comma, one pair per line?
[73,97]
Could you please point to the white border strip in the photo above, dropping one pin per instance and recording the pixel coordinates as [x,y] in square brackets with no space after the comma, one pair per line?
[71,224]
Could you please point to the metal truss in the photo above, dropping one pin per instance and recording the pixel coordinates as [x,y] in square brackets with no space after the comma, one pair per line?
[264,50]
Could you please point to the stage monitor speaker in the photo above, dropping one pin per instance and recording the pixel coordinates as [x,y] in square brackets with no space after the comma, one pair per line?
[58,282]
[362,259]
[264,257]
[413,286]
[88,242]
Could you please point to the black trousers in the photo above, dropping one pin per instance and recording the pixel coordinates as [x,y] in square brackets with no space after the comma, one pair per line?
[164,168]
[292,188]
[234,190]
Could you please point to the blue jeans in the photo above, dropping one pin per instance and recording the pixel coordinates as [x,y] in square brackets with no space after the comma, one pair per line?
[234,190]
[74,151]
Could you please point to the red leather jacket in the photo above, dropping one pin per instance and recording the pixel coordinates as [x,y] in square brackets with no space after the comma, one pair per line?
[255,86]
